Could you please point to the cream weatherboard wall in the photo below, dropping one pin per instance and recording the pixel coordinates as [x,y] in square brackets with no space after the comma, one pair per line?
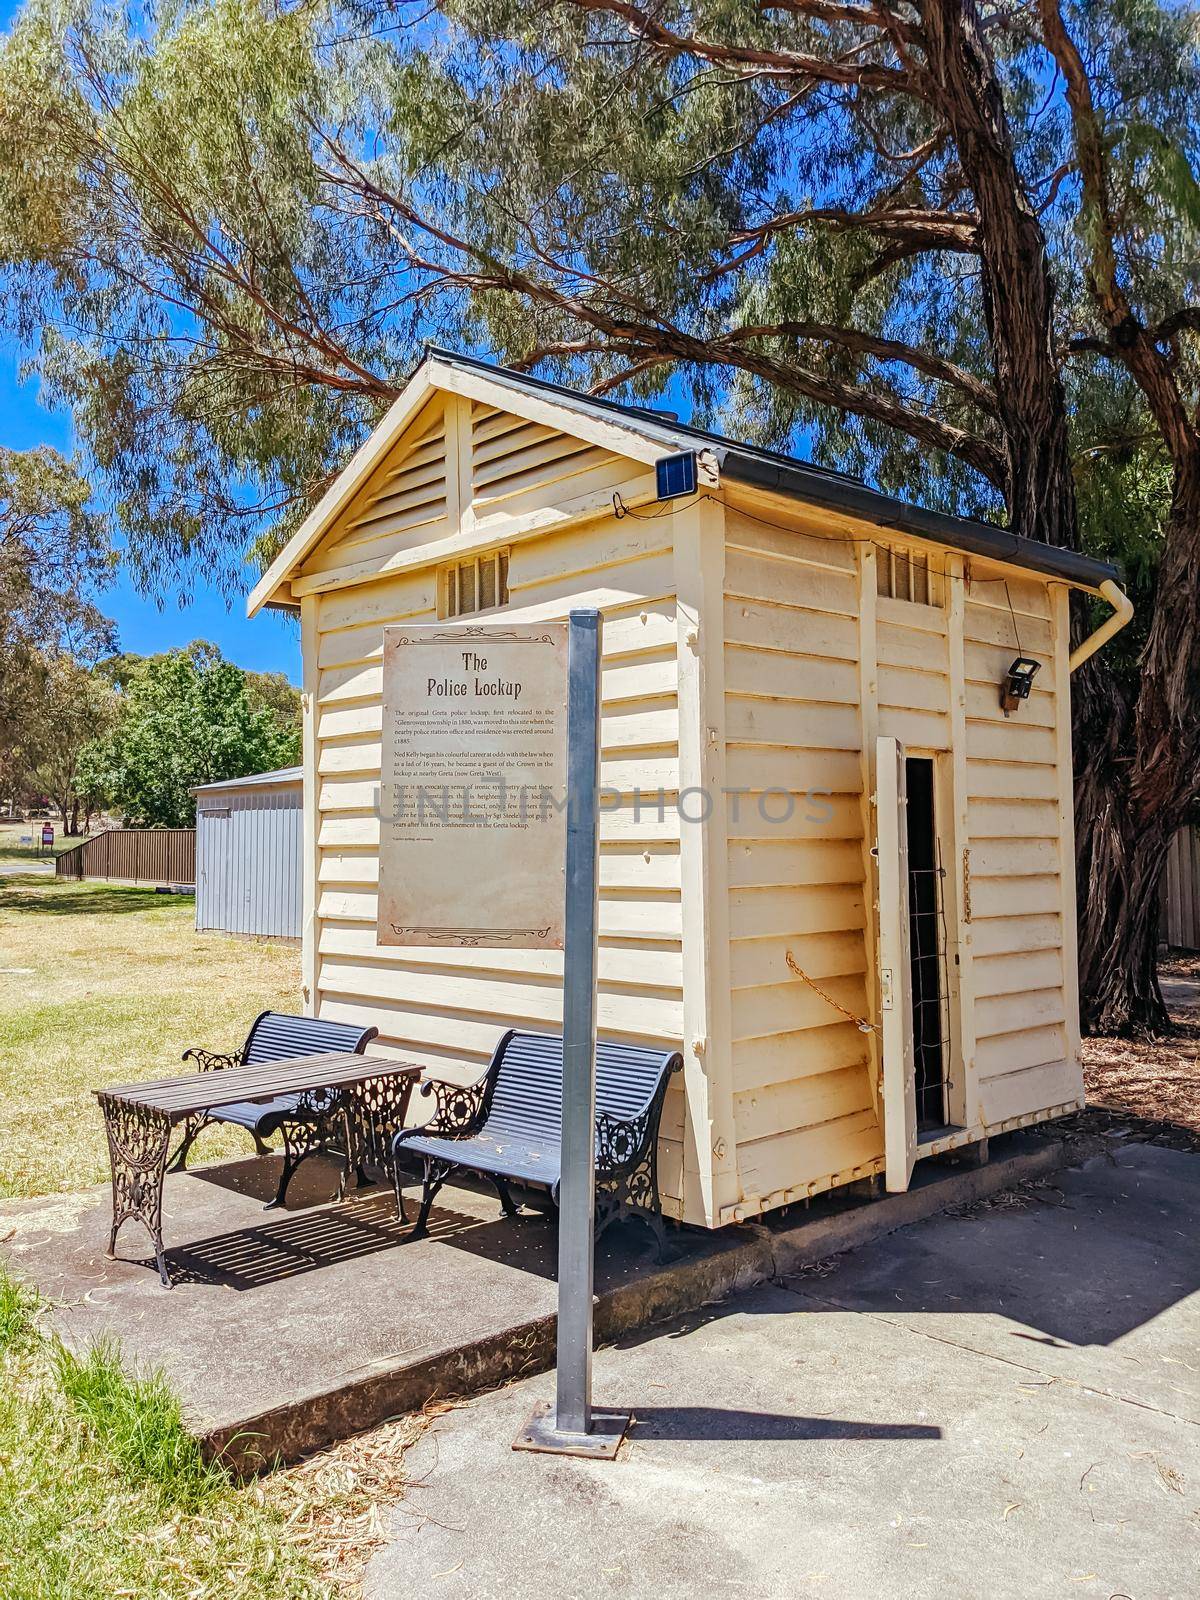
[754,649]
[818,664]
[804,1105]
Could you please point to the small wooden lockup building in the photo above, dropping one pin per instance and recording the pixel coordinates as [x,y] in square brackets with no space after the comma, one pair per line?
[855,978]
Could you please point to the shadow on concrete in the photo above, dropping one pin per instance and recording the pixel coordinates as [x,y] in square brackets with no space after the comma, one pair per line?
[294,1243]
[313,1235]
[715,1422]
[1059,1259]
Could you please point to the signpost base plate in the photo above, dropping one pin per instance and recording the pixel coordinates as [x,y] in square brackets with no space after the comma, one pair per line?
[601,1444]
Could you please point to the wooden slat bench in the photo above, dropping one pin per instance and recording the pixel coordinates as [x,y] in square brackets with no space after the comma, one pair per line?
[507,1127]
[362,1098]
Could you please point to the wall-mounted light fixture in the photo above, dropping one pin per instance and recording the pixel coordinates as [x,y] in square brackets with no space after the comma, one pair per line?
[1017,683]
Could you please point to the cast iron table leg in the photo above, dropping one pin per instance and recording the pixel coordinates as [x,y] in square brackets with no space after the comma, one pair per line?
[138,1138]
[378,1107]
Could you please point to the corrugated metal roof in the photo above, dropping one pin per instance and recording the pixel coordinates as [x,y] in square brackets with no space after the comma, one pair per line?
[280,778]
[815,485]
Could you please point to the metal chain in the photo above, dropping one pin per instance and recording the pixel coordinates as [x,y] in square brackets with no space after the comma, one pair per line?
[860,1023]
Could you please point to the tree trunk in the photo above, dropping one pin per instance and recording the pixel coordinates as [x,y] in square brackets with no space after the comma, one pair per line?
[1018,290]
[1119,860]
[1137,780]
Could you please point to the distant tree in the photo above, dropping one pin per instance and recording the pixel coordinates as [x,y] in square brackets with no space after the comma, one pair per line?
[269,690]
[185,718]
[55,555]
[75,706]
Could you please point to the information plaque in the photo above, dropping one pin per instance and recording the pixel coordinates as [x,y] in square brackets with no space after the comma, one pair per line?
[473,789]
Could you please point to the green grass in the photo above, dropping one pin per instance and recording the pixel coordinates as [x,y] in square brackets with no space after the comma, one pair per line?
[139,1424]
[104,1496]
[18,1307]
[104,984]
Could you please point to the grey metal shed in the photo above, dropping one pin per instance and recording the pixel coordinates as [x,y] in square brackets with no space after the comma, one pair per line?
[249,834]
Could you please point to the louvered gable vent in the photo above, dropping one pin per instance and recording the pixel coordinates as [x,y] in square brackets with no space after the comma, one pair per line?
[512,458]
[409,492]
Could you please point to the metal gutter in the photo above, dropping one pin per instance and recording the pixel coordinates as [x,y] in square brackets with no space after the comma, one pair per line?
[960,533]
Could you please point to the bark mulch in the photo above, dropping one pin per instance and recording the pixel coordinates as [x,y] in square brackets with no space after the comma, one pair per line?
[1147,1089]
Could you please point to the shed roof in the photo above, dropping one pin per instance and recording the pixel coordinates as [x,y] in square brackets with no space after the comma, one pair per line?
[646,434]
[280,778]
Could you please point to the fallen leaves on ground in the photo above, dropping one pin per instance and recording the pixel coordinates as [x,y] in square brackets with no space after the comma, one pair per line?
[335,1503]
[1157,1080]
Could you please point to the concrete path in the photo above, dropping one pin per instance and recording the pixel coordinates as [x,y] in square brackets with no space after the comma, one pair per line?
[1182,996]
[288,1329]
[1003,1403]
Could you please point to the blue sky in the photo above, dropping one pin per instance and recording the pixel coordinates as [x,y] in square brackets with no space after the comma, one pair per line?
[270,643]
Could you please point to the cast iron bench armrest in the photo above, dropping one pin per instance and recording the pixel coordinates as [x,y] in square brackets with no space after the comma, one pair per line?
[459,1111]
[621,1142]
[212,1060]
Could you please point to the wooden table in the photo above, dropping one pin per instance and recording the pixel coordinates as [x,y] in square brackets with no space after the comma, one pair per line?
[363,1097]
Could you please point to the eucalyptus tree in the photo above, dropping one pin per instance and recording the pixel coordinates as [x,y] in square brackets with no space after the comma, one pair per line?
[55,558]
[1131,91]
[873,223]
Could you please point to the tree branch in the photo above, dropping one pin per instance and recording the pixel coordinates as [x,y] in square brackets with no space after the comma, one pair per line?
[1129,340]
[768,63]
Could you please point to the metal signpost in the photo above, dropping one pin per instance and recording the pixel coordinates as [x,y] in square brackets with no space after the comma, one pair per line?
[572,1425]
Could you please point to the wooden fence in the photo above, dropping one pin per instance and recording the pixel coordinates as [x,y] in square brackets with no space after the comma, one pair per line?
[1180,894]
[158,856]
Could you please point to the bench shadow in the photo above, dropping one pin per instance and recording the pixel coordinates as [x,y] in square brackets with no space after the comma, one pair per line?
[679,1423]
[296,1242]
[313,1234]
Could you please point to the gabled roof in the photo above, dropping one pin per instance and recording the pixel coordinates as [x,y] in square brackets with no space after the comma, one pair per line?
[645,434]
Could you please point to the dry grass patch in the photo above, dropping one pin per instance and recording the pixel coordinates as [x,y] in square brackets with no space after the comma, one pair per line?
[102,984]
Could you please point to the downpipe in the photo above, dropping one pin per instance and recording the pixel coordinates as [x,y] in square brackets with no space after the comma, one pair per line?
[1122,613]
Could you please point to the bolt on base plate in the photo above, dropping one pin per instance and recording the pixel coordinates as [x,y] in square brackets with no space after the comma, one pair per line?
[601,1444]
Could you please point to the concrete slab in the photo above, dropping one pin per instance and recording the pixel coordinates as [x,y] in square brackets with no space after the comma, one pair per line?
[828,1439]
[288,1330]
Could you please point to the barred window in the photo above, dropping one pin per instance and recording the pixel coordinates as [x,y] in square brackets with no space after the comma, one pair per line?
[480,583]
[908,574]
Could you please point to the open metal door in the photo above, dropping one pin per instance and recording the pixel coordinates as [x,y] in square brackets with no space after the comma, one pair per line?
[895,967]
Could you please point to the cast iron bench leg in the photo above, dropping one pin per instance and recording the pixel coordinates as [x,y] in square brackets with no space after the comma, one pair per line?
[137,1152]
[308,1133]
[436,1173]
